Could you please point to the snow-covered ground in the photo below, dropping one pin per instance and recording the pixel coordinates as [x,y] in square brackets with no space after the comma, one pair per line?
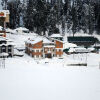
[19,39]
[49,79]
[27,79]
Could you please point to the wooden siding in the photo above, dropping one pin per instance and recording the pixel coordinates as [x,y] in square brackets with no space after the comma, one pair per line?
[59,52]
[58,44]
[47,49]
[38,50]
[38,45]
[7,18]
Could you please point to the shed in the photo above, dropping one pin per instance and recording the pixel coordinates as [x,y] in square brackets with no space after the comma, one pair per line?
[56,36]
[83,40]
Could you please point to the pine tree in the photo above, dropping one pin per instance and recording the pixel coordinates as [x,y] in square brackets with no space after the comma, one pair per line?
[14,8]
[41,16]
[84,17]
[91,17]
[97,16]
[74,18]
[29,15]
[67,14]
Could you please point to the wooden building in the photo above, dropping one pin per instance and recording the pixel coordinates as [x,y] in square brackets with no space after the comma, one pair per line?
[44,48]
[4,18]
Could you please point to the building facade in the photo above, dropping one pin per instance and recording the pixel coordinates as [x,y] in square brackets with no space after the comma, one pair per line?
[44,48]
[6,47]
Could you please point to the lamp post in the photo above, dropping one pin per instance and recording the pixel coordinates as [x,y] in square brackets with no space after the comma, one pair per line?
[3,56]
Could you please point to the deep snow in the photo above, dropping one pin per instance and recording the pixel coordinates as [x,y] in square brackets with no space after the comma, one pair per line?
[24,79]
[49,79]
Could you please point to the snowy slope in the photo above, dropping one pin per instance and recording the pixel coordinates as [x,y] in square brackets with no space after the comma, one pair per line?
[19,39]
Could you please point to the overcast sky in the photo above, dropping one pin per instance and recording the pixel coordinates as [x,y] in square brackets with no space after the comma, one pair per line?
[0,5]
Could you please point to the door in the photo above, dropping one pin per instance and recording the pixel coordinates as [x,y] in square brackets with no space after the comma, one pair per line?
[48,55]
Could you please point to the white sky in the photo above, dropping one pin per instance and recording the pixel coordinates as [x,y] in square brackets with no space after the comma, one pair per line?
[0,5]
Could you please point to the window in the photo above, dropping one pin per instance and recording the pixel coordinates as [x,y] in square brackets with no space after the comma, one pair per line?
[41,50]
[3,49]
[53,50]
[37,50]
[9,47]
[59,50]
[48,49]
[32,50]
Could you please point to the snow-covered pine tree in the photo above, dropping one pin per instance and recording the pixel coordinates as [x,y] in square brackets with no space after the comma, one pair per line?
[67,14]
[14,7]
[91,16]
[97,16]
[74,17]
[41,16]
[84,17]
[4,4]
[29,15]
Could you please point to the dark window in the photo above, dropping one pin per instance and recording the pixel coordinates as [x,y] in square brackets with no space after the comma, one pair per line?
[3,49]
[9,48]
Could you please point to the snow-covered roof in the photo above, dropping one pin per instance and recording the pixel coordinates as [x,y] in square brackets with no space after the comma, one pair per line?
[49,45]
[35,40]
[1,33]
[45,40]
[22,28]
[38,39]
[11,30]
[2,38]
[7,44]
[9,41]
[56,35]
[8,30]
[1,28]
[69,45]
[4,54]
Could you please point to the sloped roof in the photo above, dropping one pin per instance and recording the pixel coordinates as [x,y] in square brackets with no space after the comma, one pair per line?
[22,28]
[2,38]
[38,39]
[69,45]
[34,41]
[45,40]
[56,35]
